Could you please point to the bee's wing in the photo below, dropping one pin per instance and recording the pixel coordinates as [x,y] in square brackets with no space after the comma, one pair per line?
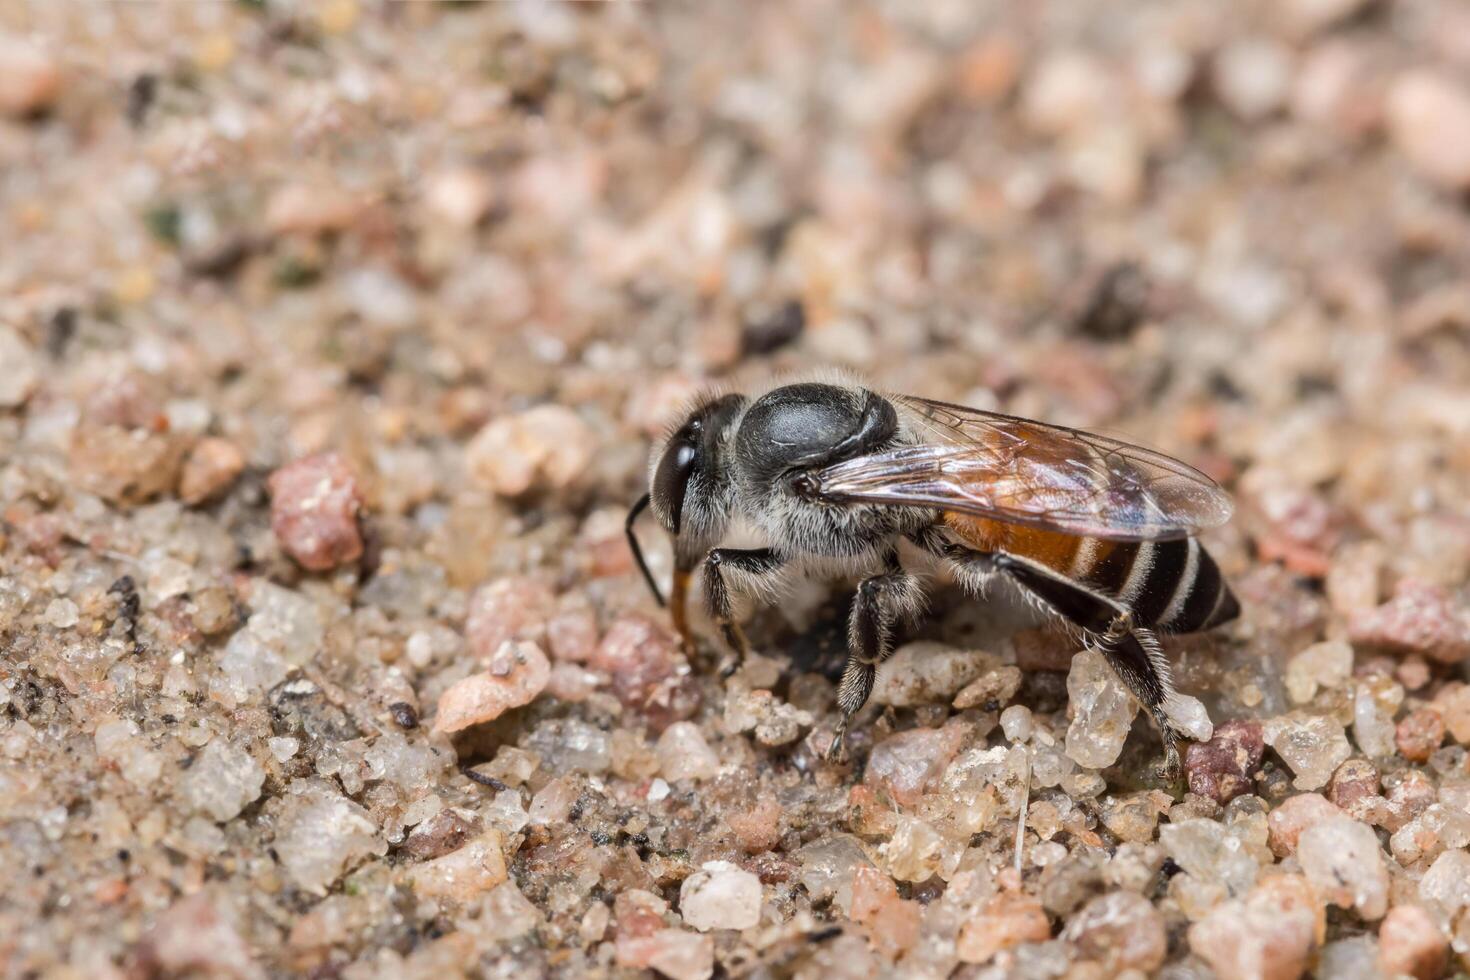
[1024,472]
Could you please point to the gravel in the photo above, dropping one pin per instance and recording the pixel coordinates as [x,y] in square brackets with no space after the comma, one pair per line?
[333,338]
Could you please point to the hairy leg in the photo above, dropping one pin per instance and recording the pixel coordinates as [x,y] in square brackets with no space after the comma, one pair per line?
[1131,651]
[727,567]
[881,601]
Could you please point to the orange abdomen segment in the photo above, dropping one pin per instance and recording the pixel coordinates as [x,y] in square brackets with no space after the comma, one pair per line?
[1053,549]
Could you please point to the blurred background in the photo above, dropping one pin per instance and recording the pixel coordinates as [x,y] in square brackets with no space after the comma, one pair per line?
[480,253]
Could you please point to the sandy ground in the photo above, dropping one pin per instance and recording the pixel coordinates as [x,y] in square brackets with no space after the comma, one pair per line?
[333,338]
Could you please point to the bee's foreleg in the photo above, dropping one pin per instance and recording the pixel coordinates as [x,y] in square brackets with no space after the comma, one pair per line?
[881,600]
[746,568]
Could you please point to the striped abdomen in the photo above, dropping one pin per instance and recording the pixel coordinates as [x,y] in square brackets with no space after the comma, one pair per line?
[1170,585]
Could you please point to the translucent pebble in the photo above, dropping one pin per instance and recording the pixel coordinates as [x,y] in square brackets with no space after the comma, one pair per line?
[1048,766]
[720,896]
[1445,887]
[1312,745]
[1293,816]
[120,742]
[1016,722]
[1210,853]
[1342,858]
[1121,930]
[506,914]
[570,745]
[223,780]
[925,672]
[1437,829]
[1102,712]
[405,763]
[827,866]
[918,852]
[464,874]
[909,763]
[1322,665]
[1190,717]
[421,809]
[553,802]
[684,754]
[321,833]
[61,613]
[1268,934]
[1355,958]
[1376,700]
[505,812]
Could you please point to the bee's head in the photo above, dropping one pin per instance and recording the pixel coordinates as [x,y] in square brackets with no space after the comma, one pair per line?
[683,472]
[685,488]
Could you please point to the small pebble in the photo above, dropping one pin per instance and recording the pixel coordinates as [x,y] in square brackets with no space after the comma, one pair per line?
[684,754]
[926,673]
[1268,935]
[516,674]
[1419,734]
[547,447]
[1224,767]
[1429,120]
[1420,618]
[1342,858]
[891,923]
[720,896]
[515,608]
[1016,723]
[1293,816]
[1006,921]
[906,765]
[315,505]
[30,79]
[462,875]
[22,371]
[1355,781]
[1410,943]
[1102,712]
[209,469]
[1312,745]
[1120,930]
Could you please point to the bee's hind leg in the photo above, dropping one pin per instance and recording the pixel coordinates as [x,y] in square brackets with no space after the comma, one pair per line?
[1131,651]
[745,567]
[880,601]
[1136,659]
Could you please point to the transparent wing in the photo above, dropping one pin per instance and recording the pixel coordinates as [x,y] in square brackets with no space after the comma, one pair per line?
[1024,472]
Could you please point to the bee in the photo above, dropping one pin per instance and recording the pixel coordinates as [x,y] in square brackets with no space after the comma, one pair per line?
[836,478]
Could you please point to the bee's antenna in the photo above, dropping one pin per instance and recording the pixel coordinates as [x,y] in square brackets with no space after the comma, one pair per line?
[637,509]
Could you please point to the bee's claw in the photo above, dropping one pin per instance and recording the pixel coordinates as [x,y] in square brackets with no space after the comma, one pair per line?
[837,751]
[1171,769]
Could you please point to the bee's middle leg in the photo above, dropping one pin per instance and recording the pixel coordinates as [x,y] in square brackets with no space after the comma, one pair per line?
[881,600]
[744,566]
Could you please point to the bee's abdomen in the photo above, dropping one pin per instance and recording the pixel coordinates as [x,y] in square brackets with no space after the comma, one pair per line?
[1171,585]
